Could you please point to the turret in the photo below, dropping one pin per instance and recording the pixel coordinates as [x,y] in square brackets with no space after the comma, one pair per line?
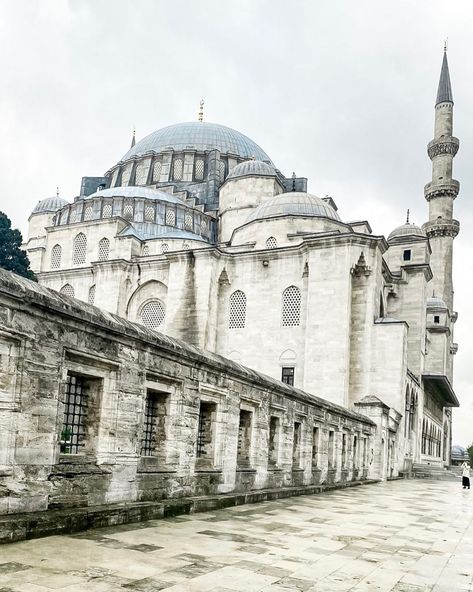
[441,228]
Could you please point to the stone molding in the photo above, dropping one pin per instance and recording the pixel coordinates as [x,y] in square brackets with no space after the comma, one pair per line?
[445,145]
[433,190]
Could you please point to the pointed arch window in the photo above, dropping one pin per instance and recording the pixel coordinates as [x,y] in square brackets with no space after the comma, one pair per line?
[107,210]
[89,212]
[67,290]
[291,307]
[157,171]
[271,243]
[188,221]
[56,255]
[199,169]
[79,249]
[104,249]
[177,169]
[237,313]
[150,212]
[170,217]
[92,294]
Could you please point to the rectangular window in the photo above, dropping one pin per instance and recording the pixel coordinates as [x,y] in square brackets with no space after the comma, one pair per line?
[331,440]
[315,447]
[244,439]
[205,449]
[153,436]
[436,319]
[296,446]
[355,452]
[76,403]
[365,452]
[406,255]
[344,451]
[288,375]
[273,444]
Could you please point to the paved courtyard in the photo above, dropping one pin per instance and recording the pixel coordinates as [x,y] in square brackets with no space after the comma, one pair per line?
[403,536]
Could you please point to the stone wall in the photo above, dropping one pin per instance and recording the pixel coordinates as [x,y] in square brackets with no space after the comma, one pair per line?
[149,417]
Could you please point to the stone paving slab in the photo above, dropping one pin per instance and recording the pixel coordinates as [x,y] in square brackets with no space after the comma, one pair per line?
[401,536]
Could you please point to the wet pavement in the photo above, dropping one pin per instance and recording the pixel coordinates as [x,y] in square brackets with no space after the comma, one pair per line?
[402,536]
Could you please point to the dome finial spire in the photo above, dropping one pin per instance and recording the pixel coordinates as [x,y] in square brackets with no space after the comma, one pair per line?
[201,110]
[407,217]
[445,45]
[133,139]
[57,191]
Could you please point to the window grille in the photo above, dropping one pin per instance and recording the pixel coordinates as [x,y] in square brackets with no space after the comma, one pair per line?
[141,173]
[150,213]
[67,290]
[56,254]
[291,307]
[126,174]
[203,226]
[145,251]
[107,210]
[199,169]
[237,317]
[79,249]
[153,314]
[170,217]
[271,243]
[204,431]
[157,171]
[89,212]
[177,169]
[91,294]
[221,169]
[104,249]
[164,248]
[148,440]
[128,209]
[287,375]
[75,215]
[188,222]
[186,246]
[296,445]
[273,440]
[75,414]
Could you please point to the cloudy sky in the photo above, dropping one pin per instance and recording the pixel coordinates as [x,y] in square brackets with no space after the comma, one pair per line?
[339,91]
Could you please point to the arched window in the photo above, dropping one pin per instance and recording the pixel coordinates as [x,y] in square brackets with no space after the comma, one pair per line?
[199,169]
[89,212]
[203,226]
[56,253]
[91,294]
[104,249]
[67,290]
[150,212]
[170,217]
[145,251]
[128,209]
[291,307]
[237,314]
[177,169]
[107,210]
[157,171]
[271,243]
[221,170]
[164,248]
[126,174]
[79,249]
[141,172]
[153,314]
[188,221]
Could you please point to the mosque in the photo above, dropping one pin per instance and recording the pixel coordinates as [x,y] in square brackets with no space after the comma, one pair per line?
[195,232]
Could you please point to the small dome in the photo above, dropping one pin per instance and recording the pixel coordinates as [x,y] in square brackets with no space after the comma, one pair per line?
[50,204]
[136,192]
[201,136]
[435,302]
[252,168]
[293,203]
[407,230]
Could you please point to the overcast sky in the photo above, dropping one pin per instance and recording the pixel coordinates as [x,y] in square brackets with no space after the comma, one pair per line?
[339,91]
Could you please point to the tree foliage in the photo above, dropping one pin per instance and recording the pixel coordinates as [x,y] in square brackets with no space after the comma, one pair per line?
[12,257]
[470,453]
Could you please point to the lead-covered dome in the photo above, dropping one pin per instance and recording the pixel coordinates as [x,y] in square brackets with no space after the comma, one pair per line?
[135,193]
[407,230]
[294,204]
[50,204]
[252,168]
[200,136]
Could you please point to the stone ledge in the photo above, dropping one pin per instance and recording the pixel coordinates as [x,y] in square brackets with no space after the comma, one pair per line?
[18,527]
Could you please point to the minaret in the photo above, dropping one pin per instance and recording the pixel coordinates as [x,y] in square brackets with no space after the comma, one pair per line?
[442,190]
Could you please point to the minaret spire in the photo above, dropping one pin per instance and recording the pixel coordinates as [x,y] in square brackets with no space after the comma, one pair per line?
[444,93]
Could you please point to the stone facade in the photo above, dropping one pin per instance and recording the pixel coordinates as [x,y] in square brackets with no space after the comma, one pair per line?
[96,410]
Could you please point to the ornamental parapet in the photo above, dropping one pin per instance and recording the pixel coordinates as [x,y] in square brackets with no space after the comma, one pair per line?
[442,227]
[443,145]
[449,189]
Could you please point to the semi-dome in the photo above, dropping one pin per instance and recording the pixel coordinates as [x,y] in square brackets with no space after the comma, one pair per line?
[50,204]
[136,192]
[200,136]
[294,203]
[406,230]
[252,168]
[435,302]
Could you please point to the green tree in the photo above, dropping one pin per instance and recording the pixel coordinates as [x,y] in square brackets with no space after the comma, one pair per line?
[12,257]
[470,453]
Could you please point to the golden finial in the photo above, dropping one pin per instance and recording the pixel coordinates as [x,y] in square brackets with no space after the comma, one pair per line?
[57,191]
[445,45]
[407,217]
[201,110]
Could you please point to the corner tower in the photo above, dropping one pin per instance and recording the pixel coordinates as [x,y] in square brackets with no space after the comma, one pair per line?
[441,228]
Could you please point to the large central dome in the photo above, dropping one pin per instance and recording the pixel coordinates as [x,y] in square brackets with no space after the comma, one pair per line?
[200,136]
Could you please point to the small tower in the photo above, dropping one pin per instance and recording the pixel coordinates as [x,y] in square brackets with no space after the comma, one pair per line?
[441,228]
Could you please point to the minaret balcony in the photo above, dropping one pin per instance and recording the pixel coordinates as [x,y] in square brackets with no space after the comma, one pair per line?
[441,227]
[443,145]
[434,189]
